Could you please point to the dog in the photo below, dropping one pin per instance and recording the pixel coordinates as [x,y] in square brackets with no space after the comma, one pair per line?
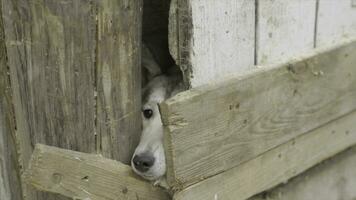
[148,160]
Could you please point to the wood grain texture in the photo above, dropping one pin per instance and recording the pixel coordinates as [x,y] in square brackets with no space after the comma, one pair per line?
[212,43]
[285,29]
[10,182]
[332,179]
[180,34]
[118,78]
[51,52]
[219,126]
[86,176]
[278,165]
[336,22]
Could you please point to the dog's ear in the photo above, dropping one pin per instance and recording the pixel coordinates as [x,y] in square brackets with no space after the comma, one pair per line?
[149,63]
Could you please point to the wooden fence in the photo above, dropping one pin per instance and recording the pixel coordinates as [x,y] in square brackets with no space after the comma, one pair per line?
[272,89]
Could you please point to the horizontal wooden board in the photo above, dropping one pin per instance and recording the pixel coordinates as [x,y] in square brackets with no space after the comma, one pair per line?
[86,176]
[278,165]
[216,127]
[332,179]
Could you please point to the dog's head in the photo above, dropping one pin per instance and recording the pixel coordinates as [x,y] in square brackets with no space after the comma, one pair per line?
[149,160]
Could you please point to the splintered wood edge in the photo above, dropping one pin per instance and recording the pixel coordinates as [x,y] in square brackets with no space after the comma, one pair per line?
[56,170]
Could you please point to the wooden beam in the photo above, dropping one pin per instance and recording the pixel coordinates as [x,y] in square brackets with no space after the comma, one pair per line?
[86,176]
[118,78]
[10,182]
[219,126]
[278,165]
[332,179]
[50,49]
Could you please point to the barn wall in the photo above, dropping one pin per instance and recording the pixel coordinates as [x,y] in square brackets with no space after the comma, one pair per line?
[217,127]
[336,22]
[75,75]
[10,184]
[333,179]
[117,81]
[284,29]
[212,44]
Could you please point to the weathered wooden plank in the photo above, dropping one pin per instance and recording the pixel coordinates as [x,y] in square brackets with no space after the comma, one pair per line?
[285,29]
[336,22]
[215,38]
[86,176]
[278,165]
[118,78]
[10,182]
[219,126]
[332,179]
[51,51]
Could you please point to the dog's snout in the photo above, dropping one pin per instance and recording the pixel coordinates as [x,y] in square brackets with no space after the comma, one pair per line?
[143,162]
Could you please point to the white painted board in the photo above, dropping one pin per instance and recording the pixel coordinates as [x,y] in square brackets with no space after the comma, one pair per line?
[336,21]
[222,39]
[285,29]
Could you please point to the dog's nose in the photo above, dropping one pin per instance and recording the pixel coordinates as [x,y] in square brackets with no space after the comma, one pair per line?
[143,162]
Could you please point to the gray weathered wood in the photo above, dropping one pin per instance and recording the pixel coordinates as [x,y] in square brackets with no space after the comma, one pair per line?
[75,74]
[278,165]
[86,176]
[332,179]
[219,126]
[10,182]
[51,49]
[118,78]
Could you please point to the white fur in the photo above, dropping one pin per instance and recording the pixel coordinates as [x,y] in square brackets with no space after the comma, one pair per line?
[151,141]
[152,131]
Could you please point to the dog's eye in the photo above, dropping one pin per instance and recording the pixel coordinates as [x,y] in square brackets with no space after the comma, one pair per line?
[147,113]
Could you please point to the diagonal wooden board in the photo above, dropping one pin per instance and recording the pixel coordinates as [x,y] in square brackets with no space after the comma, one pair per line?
[86,176]
[211,129]
[278,165]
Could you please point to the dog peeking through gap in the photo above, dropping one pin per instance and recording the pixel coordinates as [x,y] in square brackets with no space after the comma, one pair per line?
[148,159]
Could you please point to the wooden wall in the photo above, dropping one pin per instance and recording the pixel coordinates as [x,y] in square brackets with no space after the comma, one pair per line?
[228,52]
[211,129]
[330,180]
[10,183]
[211,44]
[75,76]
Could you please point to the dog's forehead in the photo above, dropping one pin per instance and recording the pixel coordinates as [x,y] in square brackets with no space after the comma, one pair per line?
[156,95]
[155,92]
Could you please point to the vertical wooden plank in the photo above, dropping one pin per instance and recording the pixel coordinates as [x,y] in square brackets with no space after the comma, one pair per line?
[336,22]
[50,47]
[119,77]
[284,29]
[10,182]
[215,38]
